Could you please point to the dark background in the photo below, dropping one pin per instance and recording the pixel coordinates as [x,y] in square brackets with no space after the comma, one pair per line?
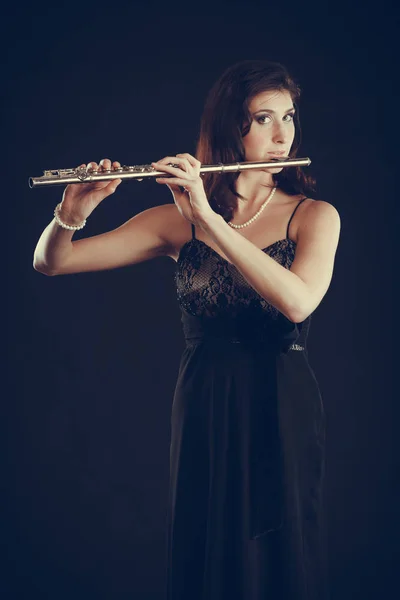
[92,358]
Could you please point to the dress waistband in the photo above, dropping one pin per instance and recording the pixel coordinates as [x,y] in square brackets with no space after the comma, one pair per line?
[282,336]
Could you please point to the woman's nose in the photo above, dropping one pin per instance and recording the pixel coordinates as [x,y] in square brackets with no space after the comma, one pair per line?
[280,134]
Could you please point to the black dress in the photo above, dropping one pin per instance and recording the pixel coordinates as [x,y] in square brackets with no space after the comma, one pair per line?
[245,517]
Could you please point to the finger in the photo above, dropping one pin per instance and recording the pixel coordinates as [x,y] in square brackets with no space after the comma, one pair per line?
[175,181]
[159,166]
[168,160]
[116,164]
[196,164]
[92,166]
[191,159]
[105,163]
[112,185]
[174,189]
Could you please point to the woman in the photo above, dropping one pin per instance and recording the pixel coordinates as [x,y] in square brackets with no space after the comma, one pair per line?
[255,256]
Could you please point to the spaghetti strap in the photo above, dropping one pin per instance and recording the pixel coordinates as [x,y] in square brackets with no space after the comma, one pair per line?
[287,230]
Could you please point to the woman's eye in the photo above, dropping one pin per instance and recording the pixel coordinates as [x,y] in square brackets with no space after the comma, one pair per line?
[260,119]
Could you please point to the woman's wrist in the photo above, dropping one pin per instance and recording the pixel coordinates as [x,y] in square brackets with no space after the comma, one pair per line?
[69,216]
[68,220]
[206,219]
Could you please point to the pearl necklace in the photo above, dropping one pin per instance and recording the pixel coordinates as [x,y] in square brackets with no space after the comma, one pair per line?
[258,213]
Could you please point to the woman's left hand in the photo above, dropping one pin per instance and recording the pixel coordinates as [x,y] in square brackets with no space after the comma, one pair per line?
[192,201]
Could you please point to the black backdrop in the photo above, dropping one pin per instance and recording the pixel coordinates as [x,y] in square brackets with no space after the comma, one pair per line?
[92,358]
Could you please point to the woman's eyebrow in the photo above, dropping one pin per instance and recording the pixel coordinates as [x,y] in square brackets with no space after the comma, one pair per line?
[273,111]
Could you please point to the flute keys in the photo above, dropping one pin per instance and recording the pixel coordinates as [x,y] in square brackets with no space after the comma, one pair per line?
[82,173]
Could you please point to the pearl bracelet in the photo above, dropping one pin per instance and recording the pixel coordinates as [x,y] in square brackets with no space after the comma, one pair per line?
[64,225]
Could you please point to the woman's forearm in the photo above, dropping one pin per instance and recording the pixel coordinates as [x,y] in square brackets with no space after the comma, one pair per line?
[276,284]
[52,249]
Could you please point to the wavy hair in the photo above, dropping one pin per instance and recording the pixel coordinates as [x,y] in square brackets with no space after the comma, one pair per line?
[226,120]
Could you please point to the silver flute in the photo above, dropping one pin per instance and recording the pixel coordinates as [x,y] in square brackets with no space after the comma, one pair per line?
[140,172]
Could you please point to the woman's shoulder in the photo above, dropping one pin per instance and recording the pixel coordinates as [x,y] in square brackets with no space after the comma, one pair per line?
[177,228]
[304,210]
[317,206]
[318,213]
[174,220]
[306,204]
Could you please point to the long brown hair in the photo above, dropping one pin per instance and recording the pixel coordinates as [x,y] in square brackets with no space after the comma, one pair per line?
[226,120]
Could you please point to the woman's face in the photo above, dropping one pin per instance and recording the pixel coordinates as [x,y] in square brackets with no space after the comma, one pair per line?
[272,127]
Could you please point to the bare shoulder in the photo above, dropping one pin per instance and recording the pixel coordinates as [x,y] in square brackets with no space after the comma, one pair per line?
[177,230]
[319,210]
[318,216]
[171,223]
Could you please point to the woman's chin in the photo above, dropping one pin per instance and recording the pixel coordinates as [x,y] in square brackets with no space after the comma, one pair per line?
[273,169]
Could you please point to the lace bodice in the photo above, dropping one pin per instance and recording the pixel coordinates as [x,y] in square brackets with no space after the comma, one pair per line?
[210,286]
[212,291]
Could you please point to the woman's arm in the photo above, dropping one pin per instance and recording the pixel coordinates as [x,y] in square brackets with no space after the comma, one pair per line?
[296,292]
[141,238]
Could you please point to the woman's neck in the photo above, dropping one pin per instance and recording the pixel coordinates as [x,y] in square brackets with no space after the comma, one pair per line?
[255,187]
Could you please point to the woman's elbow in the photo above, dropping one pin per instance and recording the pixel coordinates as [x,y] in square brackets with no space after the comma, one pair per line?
[41,268]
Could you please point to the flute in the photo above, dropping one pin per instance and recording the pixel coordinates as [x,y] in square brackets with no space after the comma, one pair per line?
[140,172]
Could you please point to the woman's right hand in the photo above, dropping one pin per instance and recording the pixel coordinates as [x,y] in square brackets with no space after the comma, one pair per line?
[80,199]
